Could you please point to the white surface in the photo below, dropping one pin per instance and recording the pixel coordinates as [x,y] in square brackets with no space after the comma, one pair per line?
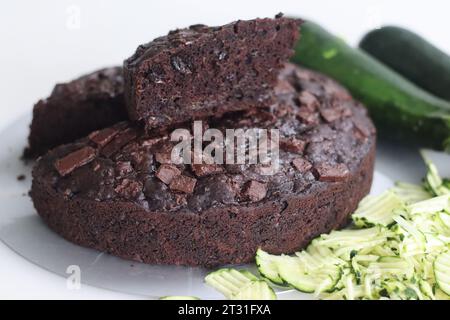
[42,43]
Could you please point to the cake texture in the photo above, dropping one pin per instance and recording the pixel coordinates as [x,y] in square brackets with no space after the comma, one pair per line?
[117,190]
[204,71]
[77,108]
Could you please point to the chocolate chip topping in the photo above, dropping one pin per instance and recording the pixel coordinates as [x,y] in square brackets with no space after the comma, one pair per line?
[129,189]
[167,172]
[74,160]
[164,154]
[103,137]
[203,170]
[183,184]
[254,191]
[363,126]
[292,145]
[120,140]
[302,165]
[307,116]
[332,173]
[330,114]
[283,87]
[170,187]
[308,100]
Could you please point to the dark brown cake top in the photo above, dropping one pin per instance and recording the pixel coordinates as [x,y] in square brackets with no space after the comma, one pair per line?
[106,82]
[315,148]
[75,109]
[197,33]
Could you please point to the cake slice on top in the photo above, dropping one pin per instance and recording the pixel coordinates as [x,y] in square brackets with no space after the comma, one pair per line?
[204,71]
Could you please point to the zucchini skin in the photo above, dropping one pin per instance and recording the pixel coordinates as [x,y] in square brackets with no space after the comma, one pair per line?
[399,108]
[411,56]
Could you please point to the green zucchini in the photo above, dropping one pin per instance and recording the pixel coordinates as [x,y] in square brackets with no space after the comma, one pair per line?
[377,211]
[399,108]
[240,285]
[229,281]
[396,249]
[267,267]
[255,290]
[412,56]
[441,270]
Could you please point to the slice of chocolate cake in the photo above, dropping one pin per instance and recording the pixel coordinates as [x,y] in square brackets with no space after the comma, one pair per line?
[203,71]
[75,109]
[118,190]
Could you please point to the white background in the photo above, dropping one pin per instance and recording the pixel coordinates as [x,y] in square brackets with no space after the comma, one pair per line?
[44,42]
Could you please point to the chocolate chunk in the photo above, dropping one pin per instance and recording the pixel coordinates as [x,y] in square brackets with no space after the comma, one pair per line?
[167,172]
[254,191]
[363,126]
[202,170]
[307,116]
[283,87]
[331,114]
[120,140]
[163,158]
[301,164]
[292,144]
[308,100]
[164,154]
[183,184]
[75,160]
[332,173]
[103,137]
[129,189]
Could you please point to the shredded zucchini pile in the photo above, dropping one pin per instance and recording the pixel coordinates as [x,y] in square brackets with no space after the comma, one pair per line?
[396,248]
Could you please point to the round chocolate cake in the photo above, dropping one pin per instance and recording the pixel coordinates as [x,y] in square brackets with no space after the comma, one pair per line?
[117,190]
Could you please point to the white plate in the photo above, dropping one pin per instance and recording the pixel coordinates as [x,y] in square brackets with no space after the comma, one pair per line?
[23,231]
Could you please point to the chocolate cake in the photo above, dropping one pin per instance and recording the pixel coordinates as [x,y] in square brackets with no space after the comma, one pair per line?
[77,108]
[203,71]
[117,190]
